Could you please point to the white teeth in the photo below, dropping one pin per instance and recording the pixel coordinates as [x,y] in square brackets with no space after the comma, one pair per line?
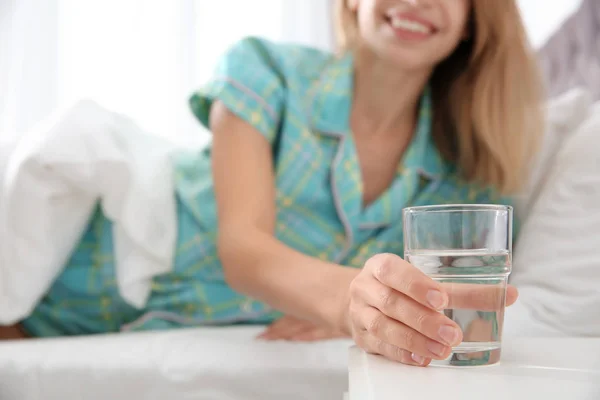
[408,25]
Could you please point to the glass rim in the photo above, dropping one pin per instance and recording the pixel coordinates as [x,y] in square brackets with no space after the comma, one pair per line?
[457,207]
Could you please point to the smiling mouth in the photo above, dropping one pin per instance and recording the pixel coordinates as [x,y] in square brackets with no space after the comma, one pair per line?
[410,28]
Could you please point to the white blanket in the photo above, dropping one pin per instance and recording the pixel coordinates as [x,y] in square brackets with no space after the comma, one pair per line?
[53,180]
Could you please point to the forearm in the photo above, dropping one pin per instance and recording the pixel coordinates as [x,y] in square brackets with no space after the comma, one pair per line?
[263,268]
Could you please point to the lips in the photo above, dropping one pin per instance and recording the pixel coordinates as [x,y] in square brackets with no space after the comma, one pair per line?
[410,26]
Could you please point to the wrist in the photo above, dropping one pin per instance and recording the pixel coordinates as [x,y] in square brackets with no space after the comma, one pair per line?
[338,313]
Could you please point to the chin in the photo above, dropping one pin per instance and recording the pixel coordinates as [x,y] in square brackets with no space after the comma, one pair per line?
[410,62]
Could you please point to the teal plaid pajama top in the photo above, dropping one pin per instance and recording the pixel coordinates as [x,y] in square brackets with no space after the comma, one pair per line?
[299,99]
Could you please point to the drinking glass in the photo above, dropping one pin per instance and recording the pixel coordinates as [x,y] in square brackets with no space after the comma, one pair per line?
[468,249]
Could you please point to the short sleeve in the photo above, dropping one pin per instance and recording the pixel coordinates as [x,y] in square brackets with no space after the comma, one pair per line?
[248,82]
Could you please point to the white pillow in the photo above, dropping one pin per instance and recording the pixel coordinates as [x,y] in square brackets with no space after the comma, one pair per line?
[564,114]
[557,257]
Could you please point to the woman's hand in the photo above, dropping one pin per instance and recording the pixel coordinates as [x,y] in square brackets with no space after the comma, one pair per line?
[394,311]
[294,329]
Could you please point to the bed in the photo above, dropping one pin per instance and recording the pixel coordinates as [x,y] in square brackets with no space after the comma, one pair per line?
[561,201]
[207,363]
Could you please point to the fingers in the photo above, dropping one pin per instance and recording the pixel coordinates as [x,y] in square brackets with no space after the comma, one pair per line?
[373,324]
[400,307]
[512,294]
[375,346]
[285,328]
[480,297]
[289,328]
[394,272]
[479,330]
[394,310]
[317,334]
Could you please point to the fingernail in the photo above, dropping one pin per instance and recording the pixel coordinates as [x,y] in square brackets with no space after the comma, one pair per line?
[436,299]
[417,358]
[436,348]
[449,334]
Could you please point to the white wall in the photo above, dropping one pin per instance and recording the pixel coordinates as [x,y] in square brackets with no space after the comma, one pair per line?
[139,57]
[144,57]
[543,17]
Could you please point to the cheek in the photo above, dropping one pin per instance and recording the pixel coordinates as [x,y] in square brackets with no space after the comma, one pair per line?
[459,20]
[460,16]
[368,20]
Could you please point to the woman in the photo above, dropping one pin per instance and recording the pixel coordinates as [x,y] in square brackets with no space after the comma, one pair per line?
[312,160]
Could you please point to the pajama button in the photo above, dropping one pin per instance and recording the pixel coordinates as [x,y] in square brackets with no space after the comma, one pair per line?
[246,306]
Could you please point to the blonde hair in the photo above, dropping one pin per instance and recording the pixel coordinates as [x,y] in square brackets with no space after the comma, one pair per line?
[487,95]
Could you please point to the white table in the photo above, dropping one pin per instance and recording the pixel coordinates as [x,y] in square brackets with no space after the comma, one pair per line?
[545,369]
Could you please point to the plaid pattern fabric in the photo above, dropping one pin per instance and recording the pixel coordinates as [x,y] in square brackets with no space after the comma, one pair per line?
[299,99]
